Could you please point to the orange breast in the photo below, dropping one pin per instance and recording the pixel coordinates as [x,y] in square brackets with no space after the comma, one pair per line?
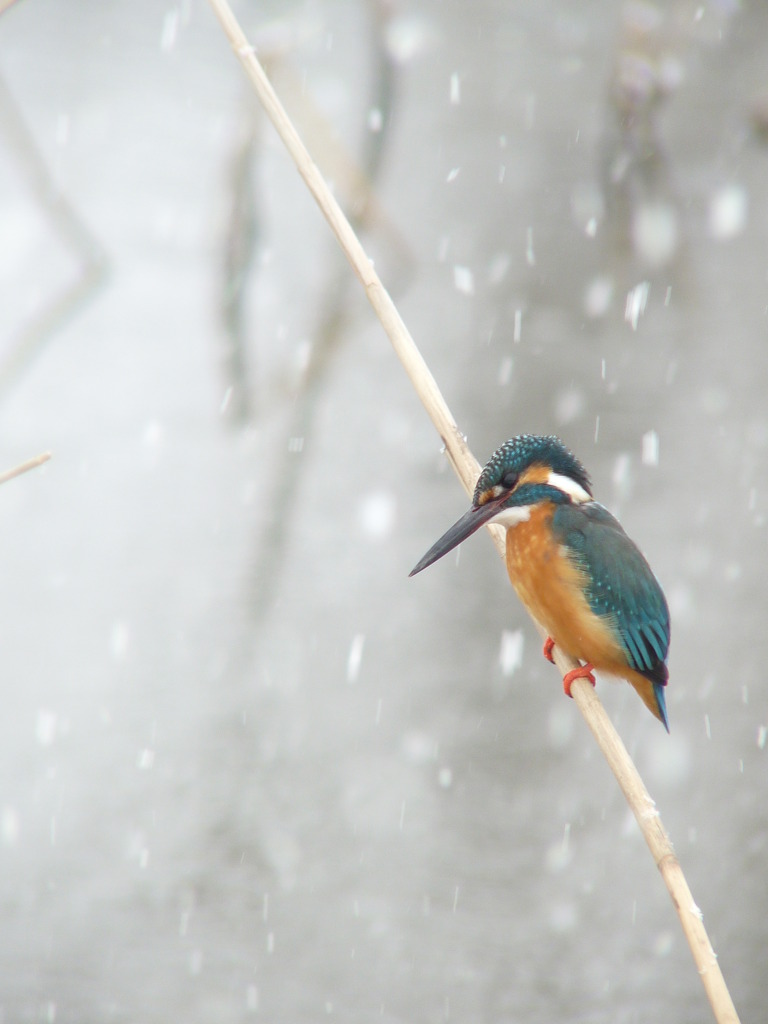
[552,589]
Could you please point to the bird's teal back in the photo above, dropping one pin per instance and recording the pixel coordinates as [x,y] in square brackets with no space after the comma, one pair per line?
[620,586]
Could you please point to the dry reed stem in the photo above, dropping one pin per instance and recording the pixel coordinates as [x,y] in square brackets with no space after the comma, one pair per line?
[6,4]
[467,469]
[24,467]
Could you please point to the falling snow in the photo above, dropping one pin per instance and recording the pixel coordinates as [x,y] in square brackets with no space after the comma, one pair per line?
[505,370]
[355,657]
[10,827]
[464,280]
[728,212]
[598,296]
[46,728]
[170,29]
[376,515]
[407,36]
[637,300]
[511,651]
[656,233]
[455,88]
[518,329]
[228,710]
[499,268]
[650,454]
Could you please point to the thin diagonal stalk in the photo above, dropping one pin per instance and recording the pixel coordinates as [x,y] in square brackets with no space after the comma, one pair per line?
[24,467]
[467,468]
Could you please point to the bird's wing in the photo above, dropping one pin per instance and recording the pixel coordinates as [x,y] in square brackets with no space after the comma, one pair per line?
[619,583]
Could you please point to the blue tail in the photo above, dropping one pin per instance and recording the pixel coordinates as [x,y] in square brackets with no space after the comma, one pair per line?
[658,692]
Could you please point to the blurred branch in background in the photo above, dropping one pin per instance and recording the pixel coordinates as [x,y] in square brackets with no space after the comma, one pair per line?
[240,250]
[466,467]
[354,181]
[27,340]
[641,204]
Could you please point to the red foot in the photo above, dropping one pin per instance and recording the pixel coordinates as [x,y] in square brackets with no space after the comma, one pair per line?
[582,672]
[549,643]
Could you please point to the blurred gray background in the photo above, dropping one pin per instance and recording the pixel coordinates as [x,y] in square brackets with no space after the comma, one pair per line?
[249,770]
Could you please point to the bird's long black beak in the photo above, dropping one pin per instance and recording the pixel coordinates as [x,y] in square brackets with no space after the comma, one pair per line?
[472,520]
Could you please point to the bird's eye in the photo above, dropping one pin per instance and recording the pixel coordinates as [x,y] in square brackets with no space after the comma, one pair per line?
[509,480]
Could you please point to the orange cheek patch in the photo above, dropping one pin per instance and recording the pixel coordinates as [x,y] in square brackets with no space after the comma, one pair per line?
[538,473]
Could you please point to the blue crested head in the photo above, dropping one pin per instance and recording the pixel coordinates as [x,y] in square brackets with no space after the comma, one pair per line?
[523,472]
[512,458]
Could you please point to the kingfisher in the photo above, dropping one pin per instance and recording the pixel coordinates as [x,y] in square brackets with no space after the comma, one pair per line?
[572,565]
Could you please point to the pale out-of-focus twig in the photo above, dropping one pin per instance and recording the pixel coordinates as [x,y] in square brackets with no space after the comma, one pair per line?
[24,467]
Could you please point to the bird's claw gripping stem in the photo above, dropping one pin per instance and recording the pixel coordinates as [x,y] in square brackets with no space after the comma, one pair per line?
[582,672]
[549,643]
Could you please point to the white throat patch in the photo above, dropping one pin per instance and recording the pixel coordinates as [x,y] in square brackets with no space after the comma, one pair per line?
[510,517]
[564,483]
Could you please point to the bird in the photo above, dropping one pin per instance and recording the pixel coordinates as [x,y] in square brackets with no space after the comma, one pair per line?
[572,565]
